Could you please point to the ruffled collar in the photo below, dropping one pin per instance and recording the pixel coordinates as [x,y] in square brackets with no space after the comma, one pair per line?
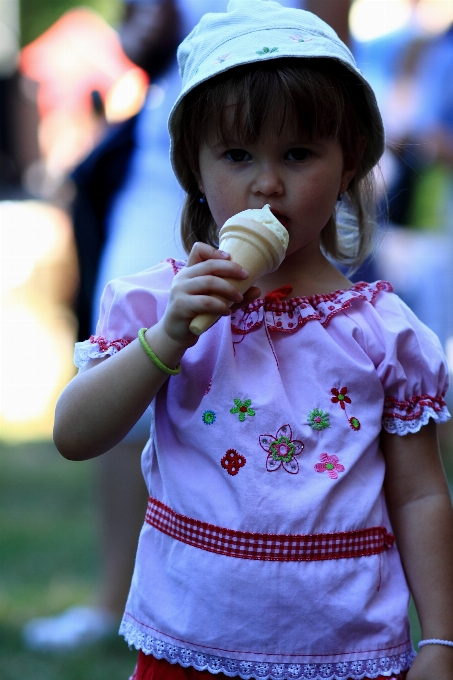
[288,316]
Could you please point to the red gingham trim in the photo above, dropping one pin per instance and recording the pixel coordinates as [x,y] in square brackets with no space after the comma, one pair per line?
[253,315]
[271,547]
[412,409]
[104,344]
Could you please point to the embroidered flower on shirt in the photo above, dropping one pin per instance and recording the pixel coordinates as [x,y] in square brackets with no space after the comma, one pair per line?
[208,417]
[267,50]
[221,58]
[243,408]
[318,419]
[281,449]
[354,423]
[340,397]
[232,462]
[330,465]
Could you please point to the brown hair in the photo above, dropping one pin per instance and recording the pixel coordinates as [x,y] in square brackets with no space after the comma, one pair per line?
[325,99]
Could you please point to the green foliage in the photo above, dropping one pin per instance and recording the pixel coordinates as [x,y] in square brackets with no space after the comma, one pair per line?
[50,562]
[38,15]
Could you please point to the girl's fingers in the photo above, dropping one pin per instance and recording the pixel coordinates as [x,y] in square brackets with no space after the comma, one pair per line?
[223,268]
[202,251]
[208,285]
[207,304]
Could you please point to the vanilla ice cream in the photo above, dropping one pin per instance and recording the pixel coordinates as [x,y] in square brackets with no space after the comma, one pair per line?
[257,241]
[263,216]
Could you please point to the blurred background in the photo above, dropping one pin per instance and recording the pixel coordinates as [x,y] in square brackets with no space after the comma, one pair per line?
[67,89]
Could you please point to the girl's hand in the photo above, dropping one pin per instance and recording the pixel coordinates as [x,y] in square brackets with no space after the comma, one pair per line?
[433,662]
[195,289]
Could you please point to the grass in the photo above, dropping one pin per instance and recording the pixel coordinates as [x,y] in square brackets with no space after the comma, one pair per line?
[50,561]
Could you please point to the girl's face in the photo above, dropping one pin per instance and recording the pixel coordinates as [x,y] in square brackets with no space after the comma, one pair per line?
[300,179]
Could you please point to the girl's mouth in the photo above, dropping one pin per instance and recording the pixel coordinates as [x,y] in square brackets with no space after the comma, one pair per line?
[281,218]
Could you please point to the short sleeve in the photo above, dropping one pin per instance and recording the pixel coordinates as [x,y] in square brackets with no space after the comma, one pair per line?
[128,304]
[411,365]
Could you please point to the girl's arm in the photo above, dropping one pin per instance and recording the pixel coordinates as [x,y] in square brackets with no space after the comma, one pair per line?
[103,402]
[422,518]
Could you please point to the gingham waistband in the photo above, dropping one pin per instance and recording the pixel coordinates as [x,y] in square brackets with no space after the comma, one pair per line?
[272,547]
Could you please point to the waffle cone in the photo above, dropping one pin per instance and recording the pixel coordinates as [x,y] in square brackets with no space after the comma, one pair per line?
[255,247]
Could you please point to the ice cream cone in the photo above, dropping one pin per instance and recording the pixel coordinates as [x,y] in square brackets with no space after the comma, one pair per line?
[258,246]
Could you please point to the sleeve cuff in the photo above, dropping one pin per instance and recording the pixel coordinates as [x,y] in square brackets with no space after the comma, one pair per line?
[96,347]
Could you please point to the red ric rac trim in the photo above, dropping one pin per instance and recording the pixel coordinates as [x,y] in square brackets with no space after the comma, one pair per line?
[287,316]
[269,547]
[104,345]
[177,265]
[412,409]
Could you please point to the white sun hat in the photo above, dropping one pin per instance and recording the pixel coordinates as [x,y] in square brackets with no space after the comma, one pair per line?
[258,30]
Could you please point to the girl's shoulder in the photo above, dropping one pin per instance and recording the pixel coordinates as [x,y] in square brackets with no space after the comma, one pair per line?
[128,304]
[157,278]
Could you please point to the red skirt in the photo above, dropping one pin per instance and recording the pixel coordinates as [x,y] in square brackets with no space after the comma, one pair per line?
[149,668]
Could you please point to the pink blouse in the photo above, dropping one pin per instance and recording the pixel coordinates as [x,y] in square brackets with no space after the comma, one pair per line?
[267,549]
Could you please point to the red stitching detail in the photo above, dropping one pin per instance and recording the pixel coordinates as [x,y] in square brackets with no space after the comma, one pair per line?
[413,407]
[269,547]
[220,649]
[104,344]
[278,294]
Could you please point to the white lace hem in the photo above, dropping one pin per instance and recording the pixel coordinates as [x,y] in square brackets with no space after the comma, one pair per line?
[95,348]
[250,670]
[400,426]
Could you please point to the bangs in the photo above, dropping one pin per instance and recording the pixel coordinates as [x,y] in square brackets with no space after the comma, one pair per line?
[304,93]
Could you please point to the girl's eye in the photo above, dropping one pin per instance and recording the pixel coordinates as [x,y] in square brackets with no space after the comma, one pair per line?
[298,154]
[237,155]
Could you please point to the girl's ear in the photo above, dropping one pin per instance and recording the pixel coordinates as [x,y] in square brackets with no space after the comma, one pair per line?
[351,163]
[196,174]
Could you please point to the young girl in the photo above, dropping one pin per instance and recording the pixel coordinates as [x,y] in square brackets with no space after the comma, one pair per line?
[296,438]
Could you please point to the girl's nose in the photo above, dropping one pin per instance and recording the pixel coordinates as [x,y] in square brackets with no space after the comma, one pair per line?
[267,182]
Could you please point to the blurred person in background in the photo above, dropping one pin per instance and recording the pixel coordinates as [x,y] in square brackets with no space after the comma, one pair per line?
[126,215]
[431,133]
[408,69]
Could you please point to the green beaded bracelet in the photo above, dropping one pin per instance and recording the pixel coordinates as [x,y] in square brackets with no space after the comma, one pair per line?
[153,357]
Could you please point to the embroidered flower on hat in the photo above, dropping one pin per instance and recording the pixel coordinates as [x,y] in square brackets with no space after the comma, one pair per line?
[267,50]
[221,58]
[318,419]
[243,408]
[208,417]
[297,37]
[232,462]
[330,465]
[281,450]
[340,397]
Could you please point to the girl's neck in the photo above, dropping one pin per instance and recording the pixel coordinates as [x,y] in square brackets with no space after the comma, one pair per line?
[309,273]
